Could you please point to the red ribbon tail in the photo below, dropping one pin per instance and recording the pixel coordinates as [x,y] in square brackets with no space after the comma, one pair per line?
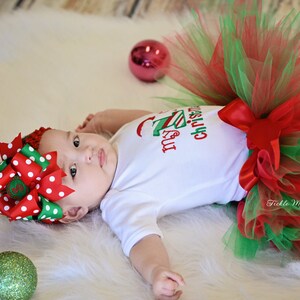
[248,177]
[276,151]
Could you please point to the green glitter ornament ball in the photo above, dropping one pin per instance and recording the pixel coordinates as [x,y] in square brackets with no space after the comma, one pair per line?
[18,276]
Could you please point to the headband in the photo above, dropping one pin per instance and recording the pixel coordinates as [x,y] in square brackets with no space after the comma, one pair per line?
[30,183]
[34,138]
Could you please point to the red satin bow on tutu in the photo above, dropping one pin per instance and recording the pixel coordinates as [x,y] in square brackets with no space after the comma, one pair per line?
[30,183]
[263,137]
[265,167]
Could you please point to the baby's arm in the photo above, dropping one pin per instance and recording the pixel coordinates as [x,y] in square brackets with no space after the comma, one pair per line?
[110,120]
[150,258]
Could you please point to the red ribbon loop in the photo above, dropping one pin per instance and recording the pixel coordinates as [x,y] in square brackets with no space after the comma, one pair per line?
[262,138]
[8,150]
[28,206]
[26,168]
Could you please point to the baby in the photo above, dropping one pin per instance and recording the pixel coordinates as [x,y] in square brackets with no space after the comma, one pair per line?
[155,165]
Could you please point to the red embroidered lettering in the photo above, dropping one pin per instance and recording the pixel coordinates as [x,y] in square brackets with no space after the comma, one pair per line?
[201,136]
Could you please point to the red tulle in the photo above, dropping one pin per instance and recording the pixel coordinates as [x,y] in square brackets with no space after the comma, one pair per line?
[252,65]
[206,78]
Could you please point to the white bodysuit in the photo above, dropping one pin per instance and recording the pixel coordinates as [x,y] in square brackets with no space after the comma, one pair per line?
[169,162]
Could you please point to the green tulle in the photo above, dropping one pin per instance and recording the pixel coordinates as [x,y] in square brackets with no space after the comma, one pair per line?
[245,248]
[255,59]
[293,151]
[191,100]
[235,64]
[268,70]
[290,205]
[252,209]
[247,75]
[241,246]
[260,77]
[283,240]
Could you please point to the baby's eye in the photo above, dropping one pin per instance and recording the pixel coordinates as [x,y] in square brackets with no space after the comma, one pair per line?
[73,170]
[76,141]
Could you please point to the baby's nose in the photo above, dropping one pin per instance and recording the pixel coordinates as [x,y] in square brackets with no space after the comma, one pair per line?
[88,154]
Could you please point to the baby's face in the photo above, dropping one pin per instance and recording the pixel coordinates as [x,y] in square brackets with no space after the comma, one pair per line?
[89,161]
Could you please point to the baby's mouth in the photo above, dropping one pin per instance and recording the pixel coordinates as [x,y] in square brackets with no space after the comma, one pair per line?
[101,157]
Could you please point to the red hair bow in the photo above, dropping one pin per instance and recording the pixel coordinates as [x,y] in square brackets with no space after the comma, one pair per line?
[30,183]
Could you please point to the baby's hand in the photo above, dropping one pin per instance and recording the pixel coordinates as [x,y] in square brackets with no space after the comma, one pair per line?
[88,125]
[101,122]
[95,123]
[165,284]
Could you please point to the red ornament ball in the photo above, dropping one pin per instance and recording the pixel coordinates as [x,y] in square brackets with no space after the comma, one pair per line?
[148,60]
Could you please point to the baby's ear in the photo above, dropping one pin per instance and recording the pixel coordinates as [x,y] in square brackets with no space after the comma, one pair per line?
[74,214]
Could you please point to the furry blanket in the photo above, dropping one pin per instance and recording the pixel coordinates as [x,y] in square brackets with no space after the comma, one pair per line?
[55,68]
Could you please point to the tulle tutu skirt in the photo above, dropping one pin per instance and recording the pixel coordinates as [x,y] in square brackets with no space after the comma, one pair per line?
[250,64]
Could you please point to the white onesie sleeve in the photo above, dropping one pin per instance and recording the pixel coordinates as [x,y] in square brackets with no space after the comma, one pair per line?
[131,216]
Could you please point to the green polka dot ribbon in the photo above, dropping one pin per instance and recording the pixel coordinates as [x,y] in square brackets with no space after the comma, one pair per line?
[30,183]
[3,165]
[50,211]
[35,156]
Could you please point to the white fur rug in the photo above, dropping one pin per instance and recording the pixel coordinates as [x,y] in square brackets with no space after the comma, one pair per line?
[55,68]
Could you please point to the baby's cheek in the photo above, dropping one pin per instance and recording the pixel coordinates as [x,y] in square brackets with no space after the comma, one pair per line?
[67,202]
[68,181]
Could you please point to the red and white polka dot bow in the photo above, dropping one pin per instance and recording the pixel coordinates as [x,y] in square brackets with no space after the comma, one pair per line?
[30,183]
